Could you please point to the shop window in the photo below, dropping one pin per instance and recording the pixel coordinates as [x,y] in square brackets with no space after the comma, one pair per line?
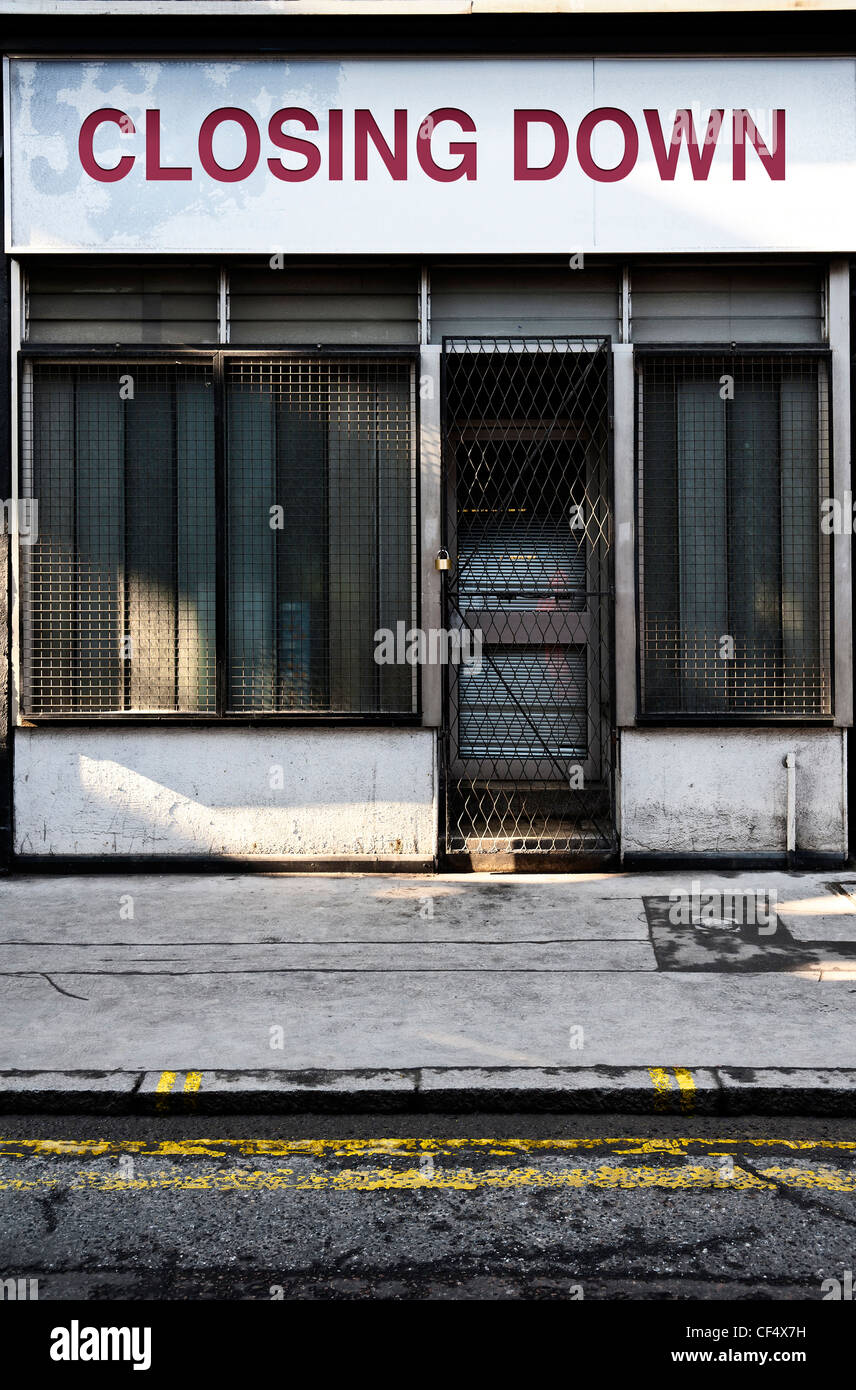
[217,535]
[321,510]
[734,465]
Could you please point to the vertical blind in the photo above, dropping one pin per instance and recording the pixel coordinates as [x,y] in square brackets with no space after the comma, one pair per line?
[734,455]
[120,589]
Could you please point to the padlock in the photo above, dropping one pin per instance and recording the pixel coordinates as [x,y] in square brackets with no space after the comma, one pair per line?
[443,560]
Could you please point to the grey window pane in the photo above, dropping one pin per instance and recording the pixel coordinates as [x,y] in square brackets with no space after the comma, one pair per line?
[734,454]
[330,441]
[118,591]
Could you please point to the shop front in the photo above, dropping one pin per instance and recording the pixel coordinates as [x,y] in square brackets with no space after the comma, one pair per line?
[429,461]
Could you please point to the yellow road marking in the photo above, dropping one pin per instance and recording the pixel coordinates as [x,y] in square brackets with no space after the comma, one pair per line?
[663,1085]
[373,1164]
[193,1080]
[694,1177]
[686,1085]
[368,1148]
[165,1085]
[660,1078]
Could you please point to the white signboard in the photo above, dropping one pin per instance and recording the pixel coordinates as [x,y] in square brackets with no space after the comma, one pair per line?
[431,155]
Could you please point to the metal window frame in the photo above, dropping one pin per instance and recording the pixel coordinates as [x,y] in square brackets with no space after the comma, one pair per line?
[717,719]
[216,356]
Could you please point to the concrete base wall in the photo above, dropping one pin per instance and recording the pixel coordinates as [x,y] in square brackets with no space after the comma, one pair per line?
[320,794]
[258,792]
[724,792]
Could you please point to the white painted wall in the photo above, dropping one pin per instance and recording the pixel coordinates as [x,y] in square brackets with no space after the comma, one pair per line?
[706,791]
[208,792]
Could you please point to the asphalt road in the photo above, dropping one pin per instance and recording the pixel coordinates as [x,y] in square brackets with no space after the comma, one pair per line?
[440,1207]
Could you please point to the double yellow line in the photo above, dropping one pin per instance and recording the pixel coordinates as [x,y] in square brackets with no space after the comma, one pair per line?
[662,1083]
[368,1165]
[192,1081]
[166,1085]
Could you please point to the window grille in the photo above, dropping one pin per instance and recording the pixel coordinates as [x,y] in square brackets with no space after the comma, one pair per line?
[734,567]
[527,749]
[119,587]
[330,442]
[312,553]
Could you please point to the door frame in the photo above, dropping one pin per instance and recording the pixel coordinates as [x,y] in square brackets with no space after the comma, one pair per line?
[582,626]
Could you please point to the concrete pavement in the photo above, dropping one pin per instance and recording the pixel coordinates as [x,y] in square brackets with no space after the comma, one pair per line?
[254,992]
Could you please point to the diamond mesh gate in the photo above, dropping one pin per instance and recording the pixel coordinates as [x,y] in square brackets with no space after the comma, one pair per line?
[528,739]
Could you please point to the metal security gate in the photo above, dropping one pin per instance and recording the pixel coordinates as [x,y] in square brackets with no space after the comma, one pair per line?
[528,738]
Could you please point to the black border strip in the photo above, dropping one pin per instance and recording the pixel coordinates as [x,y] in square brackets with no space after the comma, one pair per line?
[678,32]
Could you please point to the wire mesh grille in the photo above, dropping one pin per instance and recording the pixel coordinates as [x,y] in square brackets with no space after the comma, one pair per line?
[528,737]
[119,588]
[331,443]
[735,569]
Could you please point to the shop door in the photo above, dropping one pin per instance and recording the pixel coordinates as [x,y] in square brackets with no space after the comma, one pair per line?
[528,737]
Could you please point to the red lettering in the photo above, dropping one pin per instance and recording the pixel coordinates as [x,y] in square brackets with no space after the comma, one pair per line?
[293,145]
[206,142]
[561,144]
[667,159]
[335,145]
[85,139]
[631,144]
[154,170]
[466,168]
[772,160]
[365,126]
